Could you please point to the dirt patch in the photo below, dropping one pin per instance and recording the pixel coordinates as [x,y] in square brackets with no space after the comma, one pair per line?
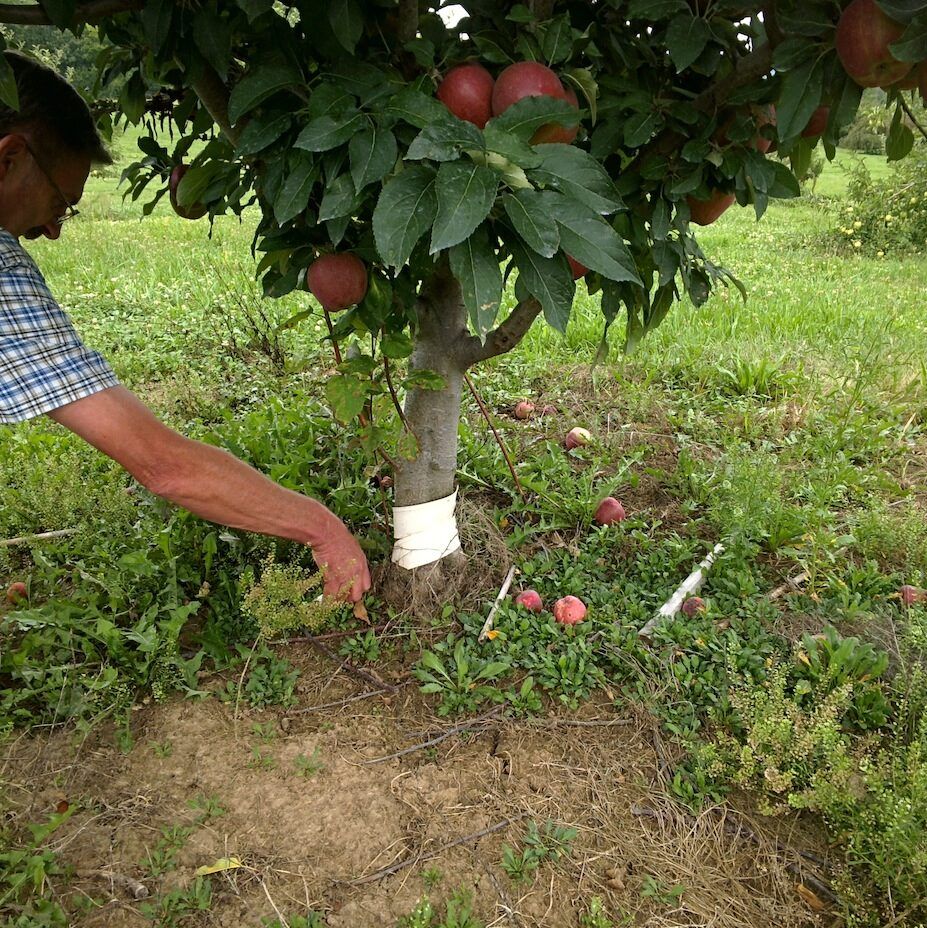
[321,841]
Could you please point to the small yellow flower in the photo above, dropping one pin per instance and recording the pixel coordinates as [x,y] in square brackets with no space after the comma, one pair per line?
[492,634]
[888,217]
[857,224]
[857,243]
[880,254]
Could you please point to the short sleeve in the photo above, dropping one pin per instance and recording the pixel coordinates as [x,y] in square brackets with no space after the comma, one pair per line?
[43,362]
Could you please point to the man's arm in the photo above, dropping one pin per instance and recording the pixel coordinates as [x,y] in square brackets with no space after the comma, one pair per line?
[214,484]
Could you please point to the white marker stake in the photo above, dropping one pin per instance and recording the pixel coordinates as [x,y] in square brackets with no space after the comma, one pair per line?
[691,585]
[487,625]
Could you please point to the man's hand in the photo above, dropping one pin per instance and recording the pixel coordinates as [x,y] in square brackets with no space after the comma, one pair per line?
[343,565]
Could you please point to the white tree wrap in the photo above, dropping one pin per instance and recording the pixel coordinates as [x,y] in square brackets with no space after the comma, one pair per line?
[425,533]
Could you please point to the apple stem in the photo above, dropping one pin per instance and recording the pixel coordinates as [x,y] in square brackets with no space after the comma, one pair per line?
[487,625]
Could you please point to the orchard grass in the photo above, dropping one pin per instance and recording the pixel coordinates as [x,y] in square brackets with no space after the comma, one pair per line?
[790,426]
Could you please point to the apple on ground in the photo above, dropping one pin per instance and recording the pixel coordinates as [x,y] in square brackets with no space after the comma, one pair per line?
[16,592]
[910,595]
[576,438]
[530,599]
[467,92]
[570,610]
[864,34]
[705,212]
[817,124]
[337,281]
[610,511]
[524,410]
[693,606]
[532,79]
[194,210]
[549,410]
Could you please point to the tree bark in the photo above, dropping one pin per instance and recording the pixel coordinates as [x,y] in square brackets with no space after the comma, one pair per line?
[433,415]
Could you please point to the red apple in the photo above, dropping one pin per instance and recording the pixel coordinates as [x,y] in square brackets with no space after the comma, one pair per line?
[579,270]
[531,79]
[864,34]
[817,124]
[337,281]
[16,591]
[524,410]
[705,212]
[195,210]
[609,510]
[549,411]
[576,438]
[570,610]
[530,599]
[909,595]
[764,116]
[693,606]
[467,92]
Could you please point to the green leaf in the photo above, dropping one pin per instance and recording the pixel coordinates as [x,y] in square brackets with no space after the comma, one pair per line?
[476,267]
[156,21]
[415,108]
[261,132]
[60,12]
[556,38]
[396,345]
[548,280]
[466,193]
[213,37]
[346,395]
[532,221]
[640,127]
[583,79]
[328,132]
[404,212]
[576,173]
[799,97]
[686,39]
[793,52]
[525,117]
[373,155]
[912,46]
[9,95]
[444,140]
[293,197]
[656,9]
[340,199]
[900,139]
[902,10]
[510,147]
[257,86]
[589,239]
[347,22]
[255,8]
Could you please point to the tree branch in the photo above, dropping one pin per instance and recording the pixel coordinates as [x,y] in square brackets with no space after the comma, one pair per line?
[408,20]
[33,15]
[501,339]
[911,116]
[214,95]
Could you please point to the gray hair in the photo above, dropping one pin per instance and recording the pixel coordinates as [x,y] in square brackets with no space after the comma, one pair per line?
[52,111]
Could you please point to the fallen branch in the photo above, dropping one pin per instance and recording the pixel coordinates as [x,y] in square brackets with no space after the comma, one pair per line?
[411,861]
[41,536]
[792,585]
[471,725]
[339,703]
[487,625]
[691,585]
[351,668]
[136,889]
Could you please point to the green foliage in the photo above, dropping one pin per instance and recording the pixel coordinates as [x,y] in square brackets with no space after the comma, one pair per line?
[458,913]
[539,845]
[269,680]
[889,214]
[460,676]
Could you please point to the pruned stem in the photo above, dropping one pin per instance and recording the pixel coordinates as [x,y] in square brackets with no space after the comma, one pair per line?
[501,339]
[214,95]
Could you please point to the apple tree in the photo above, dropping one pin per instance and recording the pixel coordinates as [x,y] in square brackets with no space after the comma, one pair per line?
[414,162]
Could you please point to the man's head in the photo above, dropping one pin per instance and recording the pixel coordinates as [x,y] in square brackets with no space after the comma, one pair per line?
[47,147]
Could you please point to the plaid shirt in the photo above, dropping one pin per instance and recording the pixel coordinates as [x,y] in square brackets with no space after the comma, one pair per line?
[43,363]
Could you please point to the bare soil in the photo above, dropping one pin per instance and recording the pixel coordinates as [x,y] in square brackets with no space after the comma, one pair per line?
[323,842]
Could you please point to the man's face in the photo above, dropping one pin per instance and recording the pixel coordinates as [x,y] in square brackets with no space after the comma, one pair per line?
[35,195]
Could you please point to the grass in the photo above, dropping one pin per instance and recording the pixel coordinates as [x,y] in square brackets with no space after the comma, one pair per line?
[791,426]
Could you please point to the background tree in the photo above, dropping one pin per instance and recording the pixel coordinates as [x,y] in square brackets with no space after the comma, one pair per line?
[649,116]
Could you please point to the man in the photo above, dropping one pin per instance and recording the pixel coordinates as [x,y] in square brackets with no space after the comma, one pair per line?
[46,150]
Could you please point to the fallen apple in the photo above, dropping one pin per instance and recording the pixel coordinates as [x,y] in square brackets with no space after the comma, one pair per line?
[549,411]
[910,595]
[524,410]
[570,610]
[337,281]
[16,592]
[609,511]
[576,438]
[693,606]
[530,599]
[467,92]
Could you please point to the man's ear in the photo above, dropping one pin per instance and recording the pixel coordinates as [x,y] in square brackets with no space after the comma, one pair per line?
[12,151]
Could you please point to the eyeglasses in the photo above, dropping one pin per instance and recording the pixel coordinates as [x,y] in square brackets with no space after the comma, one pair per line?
[70,211]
